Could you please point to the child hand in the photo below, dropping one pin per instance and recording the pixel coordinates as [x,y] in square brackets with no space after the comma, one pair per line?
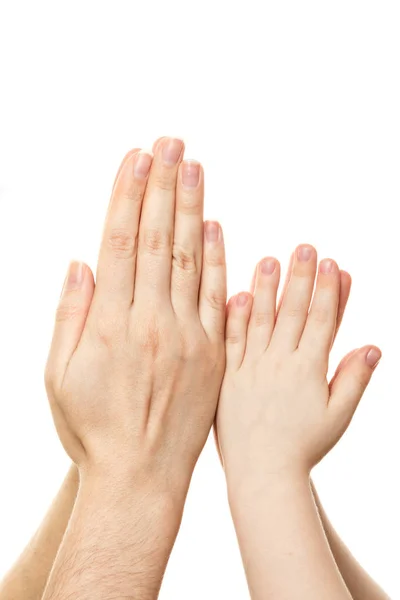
[277,411]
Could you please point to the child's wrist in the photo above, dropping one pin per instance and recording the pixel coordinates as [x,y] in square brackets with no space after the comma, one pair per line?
[261,481]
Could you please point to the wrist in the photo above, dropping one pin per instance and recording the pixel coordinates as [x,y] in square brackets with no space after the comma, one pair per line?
[129,490]
[258,485]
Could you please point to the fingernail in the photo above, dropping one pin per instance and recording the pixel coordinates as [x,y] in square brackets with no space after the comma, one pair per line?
[74,277]
[142,164]
[241,299]
[327,266]
[172,149]
[157,143]
[190,173]
[373,357]
[304,253]
[213,231]
[268,266]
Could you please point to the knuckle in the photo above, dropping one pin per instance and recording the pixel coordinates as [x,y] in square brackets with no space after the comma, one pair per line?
[122,243]
[165,181]
[108,328]
[214,259]
[150,338]
[263,318]
[156,241]
[184,259]
[216,300]
[67,311]
[233,337]
[189,204]
[295,312]
[104,332]
[132,196]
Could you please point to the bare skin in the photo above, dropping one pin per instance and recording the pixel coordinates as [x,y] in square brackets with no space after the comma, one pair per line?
[358,581]
[278,416]
[134,374]
[28,577]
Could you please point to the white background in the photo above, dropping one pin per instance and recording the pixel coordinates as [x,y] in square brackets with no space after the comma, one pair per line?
[293,108]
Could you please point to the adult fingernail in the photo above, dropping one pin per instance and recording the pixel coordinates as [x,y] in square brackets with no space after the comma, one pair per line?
[142,164]
[213,231]
[172,149]
[373,357]
[268,266]
[190,173]
[74,277]
[304,253]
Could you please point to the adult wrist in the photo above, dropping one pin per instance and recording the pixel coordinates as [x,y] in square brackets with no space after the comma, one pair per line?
[130,490]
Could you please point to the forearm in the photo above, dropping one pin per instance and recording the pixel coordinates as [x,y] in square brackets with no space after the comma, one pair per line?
[359,583]
[27,578]
[284,548]
[117,543]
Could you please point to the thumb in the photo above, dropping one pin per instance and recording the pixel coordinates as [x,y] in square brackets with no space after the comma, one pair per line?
[71,315]
[341,366]
[352,378]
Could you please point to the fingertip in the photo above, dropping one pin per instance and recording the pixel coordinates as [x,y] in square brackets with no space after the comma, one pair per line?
[157,143]
[213,232]
[345,277]
[328,266]
[230,303]
[142,164]
[72,312]
[238,318]
[243,299]
[75,277]
[372,356]
[125,160]
[79,282]
[268,265]
[190,174]
[305,252]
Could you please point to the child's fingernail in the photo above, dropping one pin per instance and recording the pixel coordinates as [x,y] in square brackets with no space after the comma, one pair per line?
[327,266]
[304,253]
[373,357]
[213,231]
[190,173]
[268,266]
[172,149]
[142,164]
[242,299]
[74,277]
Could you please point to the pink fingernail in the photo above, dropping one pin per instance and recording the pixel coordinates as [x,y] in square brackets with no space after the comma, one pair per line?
[74,277]
[242,299]
[327,266]
[142,165]
[304,253]
[373,357]
[268,266]
[172,149]
[190,173]
[213,231]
